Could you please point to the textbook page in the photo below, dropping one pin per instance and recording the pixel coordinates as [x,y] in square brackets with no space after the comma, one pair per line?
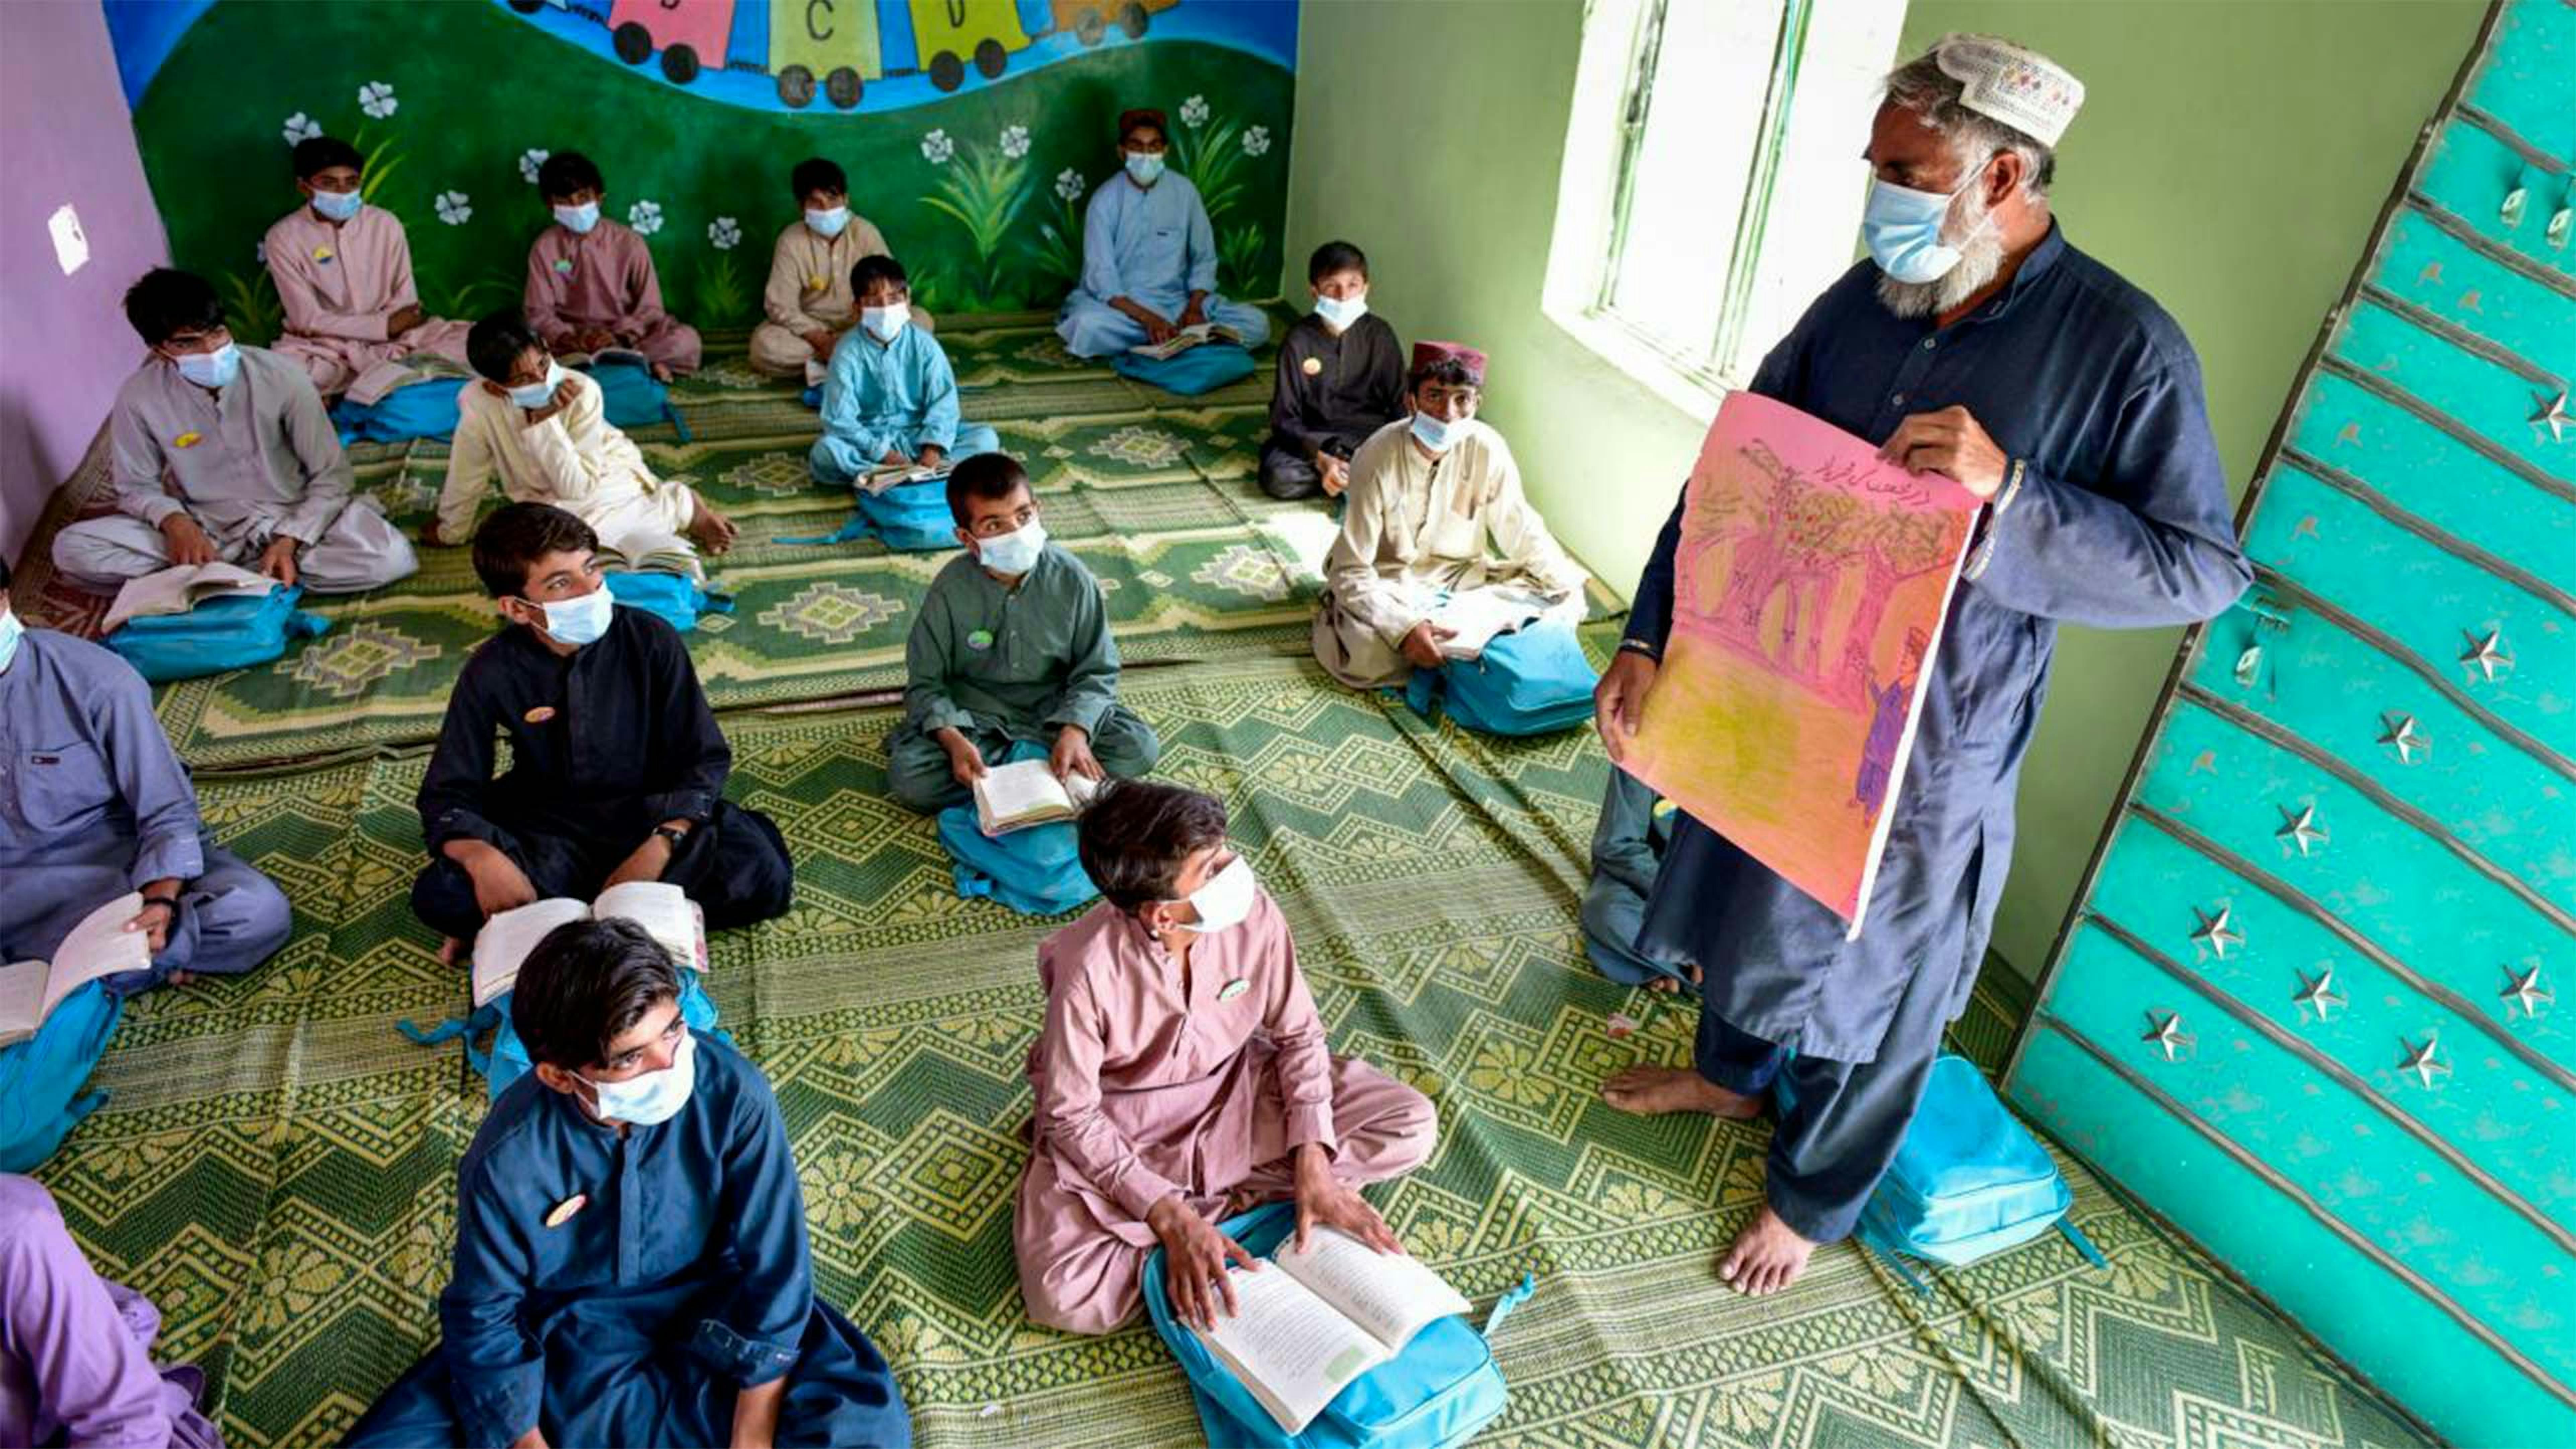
[99,946]
[1026,792]
[22,1000]
[664,911]
[178,589]
[1288,1346]
[1389,1294]
[506,940]
[1479,615]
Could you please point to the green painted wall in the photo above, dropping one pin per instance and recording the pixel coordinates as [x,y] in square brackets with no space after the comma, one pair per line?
[2229,160]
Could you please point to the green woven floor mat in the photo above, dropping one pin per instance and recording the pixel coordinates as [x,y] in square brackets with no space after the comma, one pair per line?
[275,1164]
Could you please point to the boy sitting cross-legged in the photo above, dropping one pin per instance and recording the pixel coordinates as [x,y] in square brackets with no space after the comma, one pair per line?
[1012,644]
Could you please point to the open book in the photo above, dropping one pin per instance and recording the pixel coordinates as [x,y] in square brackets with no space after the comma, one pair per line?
[178,589]
[1479,615]
[1025,793]
[888,475]
[661,908]
[606,357]
[99,946]
[1187,338]
[652,551]
[1309,1323]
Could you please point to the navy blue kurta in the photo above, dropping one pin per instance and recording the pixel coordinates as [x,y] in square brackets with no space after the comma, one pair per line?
[2113,513]
[684,1276]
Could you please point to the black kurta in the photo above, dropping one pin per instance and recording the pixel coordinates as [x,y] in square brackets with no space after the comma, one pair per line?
[1332,393]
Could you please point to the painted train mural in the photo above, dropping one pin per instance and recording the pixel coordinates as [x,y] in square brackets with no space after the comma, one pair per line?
[973,130]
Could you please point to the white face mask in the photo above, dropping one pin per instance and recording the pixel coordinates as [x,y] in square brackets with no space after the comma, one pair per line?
[1224,899]
[1145,166]
[884,322]
[578,219]
[828,224]
[580,621]
[337,205]
[1339,313]
[655,1097]
[538,394]
[1016,552]
[1435,434]
[210,369]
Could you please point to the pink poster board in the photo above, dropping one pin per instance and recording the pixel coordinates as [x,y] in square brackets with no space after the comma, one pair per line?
[1809,590]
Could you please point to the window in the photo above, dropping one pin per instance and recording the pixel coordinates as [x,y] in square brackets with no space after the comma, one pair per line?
[1712,183]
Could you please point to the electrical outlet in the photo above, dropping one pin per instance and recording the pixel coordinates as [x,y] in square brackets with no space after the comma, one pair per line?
[71,244]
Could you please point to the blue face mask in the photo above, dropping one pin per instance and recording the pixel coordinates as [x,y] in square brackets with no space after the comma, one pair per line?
[538,394]
[828,224]
[1903,229]
[11,631]
[578,219]
[210,369]
[1339,313]
[580,621]
[1435,434]
[1146,168]
[337,205]
[1016,552]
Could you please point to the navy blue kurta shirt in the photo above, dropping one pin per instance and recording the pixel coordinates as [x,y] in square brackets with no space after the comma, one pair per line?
[2113,513]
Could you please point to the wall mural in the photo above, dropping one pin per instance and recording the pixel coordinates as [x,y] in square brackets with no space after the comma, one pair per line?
[972,130]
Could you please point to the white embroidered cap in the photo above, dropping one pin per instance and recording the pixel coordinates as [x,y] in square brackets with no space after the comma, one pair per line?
[2021,88]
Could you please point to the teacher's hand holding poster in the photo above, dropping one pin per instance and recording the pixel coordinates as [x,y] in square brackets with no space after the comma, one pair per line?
[1809,590]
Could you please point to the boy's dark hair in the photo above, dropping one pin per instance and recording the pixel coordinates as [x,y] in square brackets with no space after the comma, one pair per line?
[870,270]
[495,343]
[1336,256]
[517,535]
[315,154]
[817,174]
[4,573]
[1448,370]
[166,300]
[986,475]
[566,172]
[1135,835]
[586,984]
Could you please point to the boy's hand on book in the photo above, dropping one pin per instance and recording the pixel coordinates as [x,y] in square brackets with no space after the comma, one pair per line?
[499,884]
[1335,472]
[1072,755]
[159,913]
[1422,644]
[1195,1258]
[1196,312]
[187,541]
[964,760]
[644,862]
[1324,1200]
[896,458]
[278,560]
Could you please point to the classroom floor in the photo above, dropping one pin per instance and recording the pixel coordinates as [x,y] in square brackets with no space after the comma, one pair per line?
[275,1164]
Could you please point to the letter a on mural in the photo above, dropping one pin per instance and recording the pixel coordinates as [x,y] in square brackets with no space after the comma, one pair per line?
[1809,589]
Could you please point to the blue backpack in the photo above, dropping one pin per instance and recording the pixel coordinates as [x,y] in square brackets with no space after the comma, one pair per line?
[1533,681]
[631,397]
[678,600]
[219,634]
[1442,1389]
[502,1062]
[1035,871]
[414,410]
[1204,368]
[1968,1182]
[40,1078]
[909,517]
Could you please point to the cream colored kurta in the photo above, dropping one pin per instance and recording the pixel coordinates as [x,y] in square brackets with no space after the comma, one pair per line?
[809,290]
[576,460]
[1412,526]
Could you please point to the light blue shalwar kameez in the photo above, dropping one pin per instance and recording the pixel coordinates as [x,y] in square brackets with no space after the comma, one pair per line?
[1153,246]
[881,397]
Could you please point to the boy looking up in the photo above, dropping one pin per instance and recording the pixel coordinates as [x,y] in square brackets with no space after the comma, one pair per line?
[891,397]
[544,433]
[1181,1075]
[223,452]
[631,1263]
[1012,644]
[591,283]
[617,768]
[343,274]
[808,301]
[1341,378]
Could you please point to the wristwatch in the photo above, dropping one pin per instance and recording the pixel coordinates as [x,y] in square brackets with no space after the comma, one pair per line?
[672,833]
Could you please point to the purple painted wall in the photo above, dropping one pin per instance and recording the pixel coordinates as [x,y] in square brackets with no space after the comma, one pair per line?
[64,345]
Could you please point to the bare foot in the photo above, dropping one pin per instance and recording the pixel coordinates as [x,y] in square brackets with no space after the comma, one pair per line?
[182,978]
[1650,1091]
[713,531]
[662,374]
[1766,1257]
[451,951]
[1663,985]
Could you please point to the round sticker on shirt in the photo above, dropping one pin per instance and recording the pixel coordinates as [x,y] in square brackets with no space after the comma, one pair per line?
[1312,365]
[564,265]
[816,284]
[980,639]
[187,440]
[321,254]
[1233,989]
[540,714]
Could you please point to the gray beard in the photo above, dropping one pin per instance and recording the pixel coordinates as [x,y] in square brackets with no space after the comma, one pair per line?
[1980,257]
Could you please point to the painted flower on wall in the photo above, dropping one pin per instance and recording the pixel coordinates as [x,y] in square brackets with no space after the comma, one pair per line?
[377,99]
[645,217]
[1194,112]
[936,148]
[724,233]
[1069,184]
[301,128]
[1015,141]
[530,160]
[259,251]
[455,208]
[1256,140]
